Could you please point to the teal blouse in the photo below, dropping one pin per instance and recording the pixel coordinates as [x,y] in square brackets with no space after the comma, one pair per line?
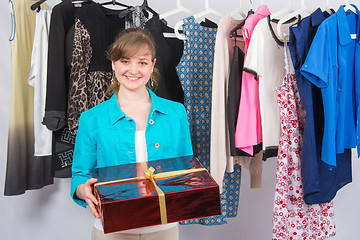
[106,137]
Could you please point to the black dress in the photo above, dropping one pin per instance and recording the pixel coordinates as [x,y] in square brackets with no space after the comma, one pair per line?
[168,55]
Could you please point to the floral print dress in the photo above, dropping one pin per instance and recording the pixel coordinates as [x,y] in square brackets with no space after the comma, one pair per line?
[292,217]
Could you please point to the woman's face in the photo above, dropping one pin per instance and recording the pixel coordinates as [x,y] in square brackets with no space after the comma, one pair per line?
[134,72]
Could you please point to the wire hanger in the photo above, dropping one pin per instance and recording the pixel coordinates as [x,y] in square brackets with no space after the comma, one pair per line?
[233,32]
[207,11]
[349,7]
[288,9]
[179,8]
[301,10]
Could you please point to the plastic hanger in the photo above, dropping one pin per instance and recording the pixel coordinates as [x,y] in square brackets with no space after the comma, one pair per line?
[179,8]
[349,7]
[300,11]
[233,32]
[36,6]
[327,8]
[145,6]
[207,11]
[288,9]
[114,2]
[238,11]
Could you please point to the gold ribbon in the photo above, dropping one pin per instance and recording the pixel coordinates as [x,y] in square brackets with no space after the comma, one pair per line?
[149,174]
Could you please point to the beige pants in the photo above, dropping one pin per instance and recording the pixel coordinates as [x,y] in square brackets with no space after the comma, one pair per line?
[168,234]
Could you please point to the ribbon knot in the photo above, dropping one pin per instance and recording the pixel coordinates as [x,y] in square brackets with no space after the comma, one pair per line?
[149,174]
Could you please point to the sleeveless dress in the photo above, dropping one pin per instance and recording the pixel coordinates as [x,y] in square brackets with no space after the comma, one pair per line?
[195,74]
[292,217]
[24,171]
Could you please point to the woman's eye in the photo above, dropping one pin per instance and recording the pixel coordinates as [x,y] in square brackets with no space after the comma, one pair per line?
[124,61]
[143,63]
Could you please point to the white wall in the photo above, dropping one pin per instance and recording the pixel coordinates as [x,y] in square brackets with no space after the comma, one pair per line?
[50,213]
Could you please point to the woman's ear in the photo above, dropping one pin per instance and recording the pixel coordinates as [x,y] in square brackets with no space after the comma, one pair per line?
[154,61]
[113,65]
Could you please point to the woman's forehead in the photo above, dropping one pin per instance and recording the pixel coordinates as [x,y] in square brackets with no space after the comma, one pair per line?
[137,51]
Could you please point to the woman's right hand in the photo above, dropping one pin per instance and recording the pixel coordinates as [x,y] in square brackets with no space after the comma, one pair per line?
[85,192]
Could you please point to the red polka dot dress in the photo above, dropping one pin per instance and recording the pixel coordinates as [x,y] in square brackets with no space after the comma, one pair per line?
[292,217]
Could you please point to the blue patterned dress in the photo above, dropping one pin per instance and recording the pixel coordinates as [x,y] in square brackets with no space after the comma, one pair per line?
[195,72]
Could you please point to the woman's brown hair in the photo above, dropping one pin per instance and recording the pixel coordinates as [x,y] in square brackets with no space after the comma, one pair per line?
[127,44]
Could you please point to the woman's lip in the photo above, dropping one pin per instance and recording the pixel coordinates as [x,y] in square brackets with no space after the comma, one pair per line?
[132,78]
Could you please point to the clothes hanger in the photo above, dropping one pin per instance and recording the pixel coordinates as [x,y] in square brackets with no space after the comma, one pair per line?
[303,9]
[288,9]
[114,2]
[233,32]
[179,8]
[145,6]
[349,7]
[327,8]
[36,6]
[238,11]
[207,11]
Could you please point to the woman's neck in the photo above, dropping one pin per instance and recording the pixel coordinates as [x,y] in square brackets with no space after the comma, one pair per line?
[133,97]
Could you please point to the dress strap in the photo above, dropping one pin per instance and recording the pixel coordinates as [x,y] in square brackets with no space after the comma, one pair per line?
[13,21]
[287,59]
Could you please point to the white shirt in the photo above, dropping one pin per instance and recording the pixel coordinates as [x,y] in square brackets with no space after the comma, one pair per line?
[266,58]
[37,79]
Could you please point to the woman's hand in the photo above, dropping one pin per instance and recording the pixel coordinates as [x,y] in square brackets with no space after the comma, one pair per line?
[85,192]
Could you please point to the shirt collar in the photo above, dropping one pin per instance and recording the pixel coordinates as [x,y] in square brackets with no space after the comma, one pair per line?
[156,104]
[317,17]
[343,27]
[116,113]
[263,10]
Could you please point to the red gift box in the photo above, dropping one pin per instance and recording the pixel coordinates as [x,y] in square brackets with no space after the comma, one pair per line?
[129,199]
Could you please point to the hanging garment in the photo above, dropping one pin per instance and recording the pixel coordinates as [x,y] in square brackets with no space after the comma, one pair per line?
[254,164]
[248,132]
[24,171]
[37,79]
[195,73]
[220,157]
[333,65]
[168,55]
[292,217]
[320,183]
[91,72]
[264,59]
[61,36]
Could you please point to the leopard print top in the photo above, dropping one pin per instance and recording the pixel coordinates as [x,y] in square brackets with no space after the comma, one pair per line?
[87,88]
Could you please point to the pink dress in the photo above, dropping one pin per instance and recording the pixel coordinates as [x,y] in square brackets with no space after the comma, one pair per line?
[248,129]
[292,217]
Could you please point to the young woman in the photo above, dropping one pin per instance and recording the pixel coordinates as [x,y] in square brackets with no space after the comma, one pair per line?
[134,125]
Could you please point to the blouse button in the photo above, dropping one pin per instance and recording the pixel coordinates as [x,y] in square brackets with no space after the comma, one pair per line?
[157,145]
[151,122]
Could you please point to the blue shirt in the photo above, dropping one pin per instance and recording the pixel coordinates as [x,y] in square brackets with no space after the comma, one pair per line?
[331,64]
[320,183]
[106,137]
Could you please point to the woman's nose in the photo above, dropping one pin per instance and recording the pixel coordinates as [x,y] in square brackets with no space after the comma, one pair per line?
[133,68]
